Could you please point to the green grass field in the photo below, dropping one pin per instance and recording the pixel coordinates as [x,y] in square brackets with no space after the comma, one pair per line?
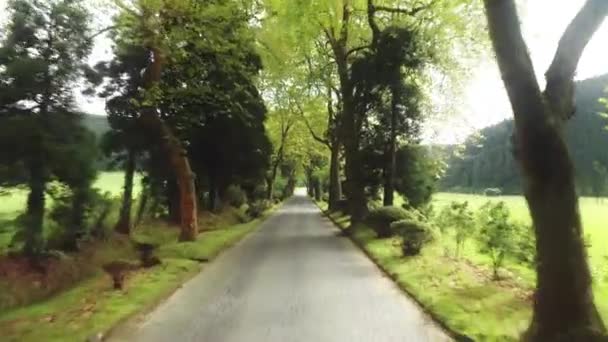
[12,201]
[594,214]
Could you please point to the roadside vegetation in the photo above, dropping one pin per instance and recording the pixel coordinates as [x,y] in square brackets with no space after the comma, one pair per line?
[456,290]
[90,307]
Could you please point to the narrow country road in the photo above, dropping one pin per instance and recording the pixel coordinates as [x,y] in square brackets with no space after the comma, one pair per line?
[292,280]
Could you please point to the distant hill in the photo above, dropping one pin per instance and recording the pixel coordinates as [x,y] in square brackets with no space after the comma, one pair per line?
[97,124]
[488,162]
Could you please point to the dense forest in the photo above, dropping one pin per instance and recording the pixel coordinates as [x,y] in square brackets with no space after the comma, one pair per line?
[486,159]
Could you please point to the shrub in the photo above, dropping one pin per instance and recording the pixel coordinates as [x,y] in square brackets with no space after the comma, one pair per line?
[242,216]
[235,196]
[496,234]
[414,235]
[381,218]
[457,219]
[257,208]
[525,252]
[259,192]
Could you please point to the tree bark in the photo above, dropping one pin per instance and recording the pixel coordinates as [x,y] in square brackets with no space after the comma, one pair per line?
[317,189]
[143,203]
[173,202]
[391,153]
[33,243]
[273,174]
[174,151]
[269,187]
[335,187]
[77,229]
[123,226]
[564,307]
[349,127]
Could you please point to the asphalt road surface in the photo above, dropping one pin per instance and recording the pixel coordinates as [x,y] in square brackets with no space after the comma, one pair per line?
[294,279]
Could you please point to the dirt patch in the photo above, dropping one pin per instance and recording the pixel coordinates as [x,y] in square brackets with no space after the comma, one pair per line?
[484,275]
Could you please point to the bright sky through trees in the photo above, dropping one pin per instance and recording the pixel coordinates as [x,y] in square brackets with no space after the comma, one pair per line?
[485,94]
[485,101]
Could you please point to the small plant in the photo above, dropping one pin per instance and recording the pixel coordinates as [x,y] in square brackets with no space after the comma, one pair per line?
[380,219]
[497,235]
[458,219]
[414,235]
[525,252]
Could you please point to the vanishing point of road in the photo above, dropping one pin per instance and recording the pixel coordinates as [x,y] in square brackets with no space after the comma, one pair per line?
[294,279]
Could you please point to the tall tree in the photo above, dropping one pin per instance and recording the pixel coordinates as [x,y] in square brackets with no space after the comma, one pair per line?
[125,141]
[564,307]
[43,54]
[159,27]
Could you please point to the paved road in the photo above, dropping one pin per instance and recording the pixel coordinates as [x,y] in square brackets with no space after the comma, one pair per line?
[292,280]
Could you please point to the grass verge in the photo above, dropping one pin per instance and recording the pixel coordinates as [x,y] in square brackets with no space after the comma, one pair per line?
[92,306]
[457,293]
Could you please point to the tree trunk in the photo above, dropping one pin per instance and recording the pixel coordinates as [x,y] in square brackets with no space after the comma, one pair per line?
[173,202]
[335,186]
[269,187]
[33,243]
[357,203]
[175,153]
[355,185]
[123,225]
[564,302]
[290,186]
[273,175]
[77,229]
[564,307]
[349,127]
[143,203]
[318,191]
[391,154]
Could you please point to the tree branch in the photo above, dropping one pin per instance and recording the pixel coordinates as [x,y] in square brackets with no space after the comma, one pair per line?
[373,25]
[102,31]
[560,75]
[345,21]
[312,132]
[357,49]
[514,62]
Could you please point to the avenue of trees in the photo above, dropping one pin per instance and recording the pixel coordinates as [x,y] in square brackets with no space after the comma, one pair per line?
[237,101]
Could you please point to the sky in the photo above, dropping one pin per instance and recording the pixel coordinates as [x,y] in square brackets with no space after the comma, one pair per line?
[485,101]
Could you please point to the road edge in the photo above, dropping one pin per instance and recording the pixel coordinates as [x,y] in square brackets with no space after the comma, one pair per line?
[455,335]
[131,320]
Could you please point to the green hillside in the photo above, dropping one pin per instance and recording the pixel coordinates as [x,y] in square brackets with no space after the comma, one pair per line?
[487,162]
